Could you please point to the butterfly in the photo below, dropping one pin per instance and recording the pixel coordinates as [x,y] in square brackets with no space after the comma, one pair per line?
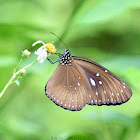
[78,81]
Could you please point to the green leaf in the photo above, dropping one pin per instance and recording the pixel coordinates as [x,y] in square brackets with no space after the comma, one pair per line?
[17,82]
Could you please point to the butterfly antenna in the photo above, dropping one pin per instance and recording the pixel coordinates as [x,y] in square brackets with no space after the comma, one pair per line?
[60,47]
[59,39]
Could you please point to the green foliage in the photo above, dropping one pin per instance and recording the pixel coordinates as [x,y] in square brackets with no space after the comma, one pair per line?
[101,11]
[106,31]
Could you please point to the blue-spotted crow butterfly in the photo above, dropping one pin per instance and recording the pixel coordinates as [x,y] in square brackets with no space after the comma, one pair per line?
[79,81]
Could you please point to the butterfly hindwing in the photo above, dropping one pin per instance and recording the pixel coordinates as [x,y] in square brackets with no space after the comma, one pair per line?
[107,88]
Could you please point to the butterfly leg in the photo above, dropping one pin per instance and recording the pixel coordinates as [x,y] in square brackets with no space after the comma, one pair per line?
[58,54]
[52,61]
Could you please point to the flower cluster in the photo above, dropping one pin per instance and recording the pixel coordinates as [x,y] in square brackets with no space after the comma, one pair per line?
[42,55]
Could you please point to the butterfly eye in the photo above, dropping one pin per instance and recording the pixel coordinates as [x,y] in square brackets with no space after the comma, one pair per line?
[66,50]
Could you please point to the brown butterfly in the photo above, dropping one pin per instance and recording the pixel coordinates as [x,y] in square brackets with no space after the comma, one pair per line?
[79,81]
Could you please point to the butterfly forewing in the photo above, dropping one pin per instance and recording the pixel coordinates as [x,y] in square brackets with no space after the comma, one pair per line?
[69,87]
[107,88]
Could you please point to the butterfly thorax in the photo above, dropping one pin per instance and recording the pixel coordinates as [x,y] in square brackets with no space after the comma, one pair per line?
[66,58]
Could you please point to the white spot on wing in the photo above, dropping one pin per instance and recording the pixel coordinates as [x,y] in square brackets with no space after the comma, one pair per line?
[97,74]
[89,96]
[96,93]
[106,71]
[92,82]
[100,82]
[78,84]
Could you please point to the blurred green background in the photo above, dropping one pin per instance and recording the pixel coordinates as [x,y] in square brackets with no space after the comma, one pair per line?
[105,31]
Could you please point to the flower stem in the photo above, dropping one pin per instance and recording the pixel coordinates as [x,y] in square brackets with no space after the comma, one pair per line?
[14,76]
[30,64]
[7,85]
[18,65]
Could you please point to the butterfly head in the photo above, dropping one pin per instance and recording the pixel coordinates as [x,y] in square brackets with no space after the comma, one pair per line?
[66,58]
[66,51]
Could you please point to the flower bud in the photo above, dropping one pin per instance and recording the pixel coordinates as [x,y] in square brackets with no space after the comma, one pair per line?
[26,53]
[23,71]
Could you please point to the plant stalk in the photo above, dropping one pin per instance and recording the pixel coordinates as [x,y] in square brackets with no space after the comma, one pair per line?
[13,77]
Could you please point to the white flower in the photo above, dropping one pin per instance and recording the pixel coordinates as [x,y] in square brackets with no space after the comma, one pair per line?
[41,52]
[37,42]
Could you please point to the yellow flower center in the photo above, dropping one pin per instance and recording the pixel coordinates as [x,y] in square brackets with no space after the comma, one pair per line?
[50,47]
